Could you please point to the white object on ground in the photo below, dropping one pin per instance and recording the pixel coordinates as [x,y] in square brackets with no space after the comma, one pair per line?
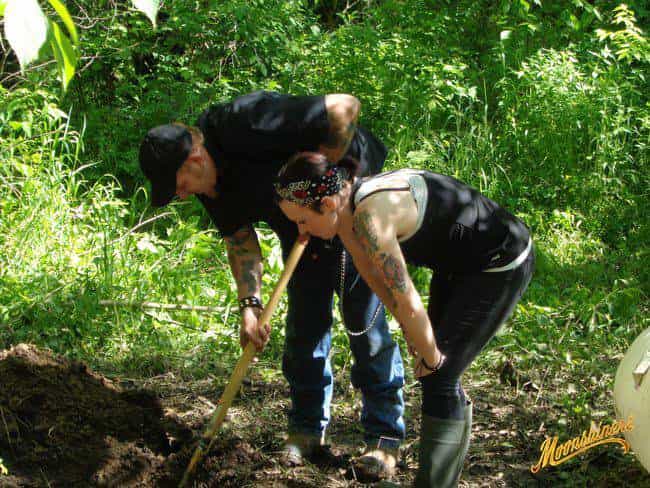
[632,395]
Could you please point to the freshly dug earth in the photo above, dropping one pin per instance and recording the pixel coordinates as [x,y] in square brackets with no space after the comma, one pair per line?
[64,425]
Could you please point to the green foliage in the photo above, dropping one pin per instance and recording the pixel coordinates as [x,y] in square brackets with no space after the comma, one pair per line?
[64,54]
[28,29]
[66,244]
[67,20]
[630,42]
[541,105]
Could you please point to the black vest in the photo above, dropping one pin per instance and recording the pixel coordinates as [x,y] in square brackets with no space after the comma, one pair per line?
[462,231]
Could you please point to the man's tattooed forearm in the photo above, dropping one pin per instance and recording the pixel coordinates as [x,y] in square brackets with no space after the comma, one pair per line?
[249,275]
[366,232]
[244,260]
[238,241]
[394,273]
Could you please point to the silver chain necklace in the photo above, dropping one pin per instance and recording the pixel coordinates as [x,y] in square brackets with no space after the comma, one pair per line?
[342,289]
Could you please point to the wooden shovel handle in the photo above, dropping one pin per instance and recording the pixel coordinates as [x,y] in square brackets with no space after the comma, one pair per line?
[244,361]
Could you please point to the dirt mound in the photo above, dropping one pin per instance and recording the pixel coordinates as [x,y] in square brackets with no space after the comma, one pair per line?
[63,425]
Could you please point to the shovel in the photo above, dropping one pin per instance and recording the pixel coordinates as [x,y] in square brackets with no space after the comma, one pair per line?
[206,441]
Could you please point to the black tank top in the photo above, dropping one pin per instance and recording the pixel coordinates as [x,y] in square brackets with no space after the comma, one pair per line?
[461,230]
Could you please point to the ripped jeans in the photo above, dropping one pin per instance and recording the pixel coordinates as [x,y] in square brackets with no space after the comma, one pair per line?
[466,310]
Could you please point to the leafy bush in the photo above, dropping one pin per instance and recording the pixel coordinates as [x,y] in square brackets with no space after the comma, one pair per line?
[542,105]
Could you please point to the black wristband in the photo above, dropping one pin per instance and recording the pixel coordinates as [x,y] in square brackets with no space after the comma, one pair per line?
[437,366]
[251,301]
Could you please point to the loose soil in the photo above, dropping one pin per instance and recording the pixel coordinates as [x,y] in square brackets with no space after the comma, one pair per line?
[62,424]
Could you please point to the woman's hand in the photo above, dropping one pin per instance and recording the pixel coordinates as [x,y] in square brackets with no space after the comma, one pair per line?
[418,367]
[437,359]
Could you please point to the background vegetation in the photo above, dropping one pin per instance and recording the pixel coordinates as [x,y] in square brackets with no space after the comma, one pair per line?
[541,105]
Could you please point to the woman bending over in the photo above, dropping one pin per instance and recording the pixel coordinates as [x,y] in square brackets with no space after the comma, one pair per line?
[482,257]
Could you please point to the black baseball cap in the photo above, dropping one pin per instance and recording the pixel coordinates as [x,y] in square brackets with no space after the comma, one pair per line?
[163,151]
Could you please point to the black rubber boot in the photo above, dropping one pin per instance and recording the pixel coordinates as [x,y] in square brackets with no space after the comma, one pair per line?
[467,433]
[443,447]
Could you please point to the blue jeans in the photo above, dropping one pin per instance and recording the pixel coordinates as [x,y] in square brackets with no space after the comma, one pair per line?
[377,371]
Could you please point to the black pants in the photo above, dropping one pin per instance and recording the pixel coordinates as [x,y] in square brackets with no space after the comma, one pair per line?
[466,310]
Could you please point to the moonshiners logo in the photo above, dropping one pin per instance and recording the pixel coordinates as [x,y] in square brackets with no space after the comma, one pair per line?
[554,455]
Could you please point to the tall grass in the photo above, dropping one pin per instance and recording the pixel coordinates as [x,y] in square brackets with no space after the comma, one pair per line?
[548,120]
[67,242]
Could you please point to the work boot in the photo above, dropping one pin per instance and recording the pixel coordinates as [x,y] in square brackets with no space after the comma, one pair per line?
[378,462]
[443,447]
[298,447]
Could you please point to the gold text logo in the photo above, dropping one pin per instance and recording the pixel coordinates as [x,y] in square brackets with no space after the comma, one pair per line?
[553,454]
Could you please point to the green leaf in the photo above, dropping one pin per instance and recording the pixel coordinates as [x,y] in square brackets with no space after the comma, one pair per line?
[148,7]
[25,29]
[64,53]
[3,5]
[65,17]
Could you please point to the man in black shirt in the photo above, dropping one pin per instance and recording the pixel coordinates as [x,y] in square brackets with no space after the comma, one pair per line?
[229,162]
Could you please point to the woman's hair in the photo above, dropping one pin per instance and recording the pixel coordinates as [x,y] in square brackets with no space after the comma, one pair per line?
[311,166]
